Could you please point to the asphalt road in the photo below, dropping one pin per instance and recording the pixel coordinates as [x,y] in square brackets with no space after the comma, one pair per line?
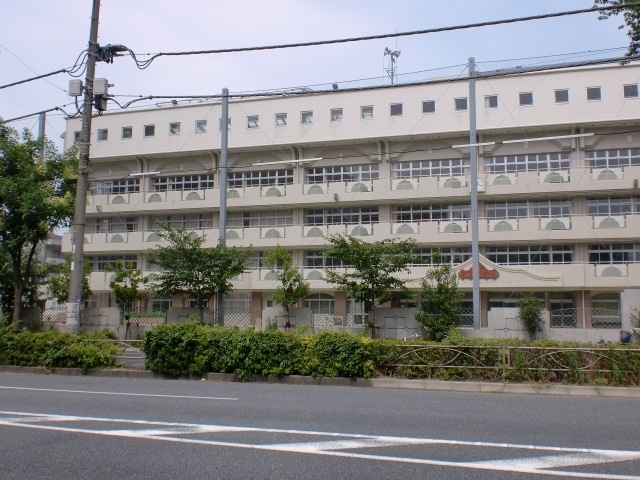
[66,427]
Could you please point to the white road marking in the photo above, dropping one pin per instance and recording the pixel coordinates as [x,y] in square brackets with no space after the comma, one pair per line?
[126,394]
[549,465]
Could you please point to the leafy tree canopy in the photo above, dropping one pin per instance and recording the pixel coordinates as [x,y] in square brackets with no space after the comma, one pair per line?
[370,277]
[126,282]
[36,197]
[631,17]
[59,282]
[189,269]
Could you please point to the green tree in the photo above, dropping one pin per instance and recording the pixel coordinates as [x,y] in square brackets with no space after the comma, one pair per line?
[440,304]
[292,286]
[125,284]
[530,313]
[36,197]
[58,284]
[631,16]
[371,269]
[189,269]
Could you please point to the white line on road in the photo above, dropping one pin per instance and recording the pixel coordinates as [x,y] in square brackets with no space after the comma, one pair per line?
[549,465]
[127,394]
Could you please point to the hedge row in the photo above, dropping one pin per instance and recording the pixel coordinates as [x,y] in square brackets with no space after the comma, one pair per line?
[194,349]
[54,349]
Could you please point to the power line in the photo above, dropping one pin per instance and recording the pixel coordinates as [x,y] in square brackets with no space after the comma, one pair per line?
[145,63]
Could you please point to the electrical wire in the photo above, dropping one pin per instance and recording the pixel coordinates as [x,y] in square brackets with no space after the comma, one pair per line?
[143,64]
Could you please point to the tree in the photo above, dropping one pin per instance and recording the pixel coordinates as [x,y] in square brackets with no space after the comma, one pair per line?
[292,285]
[631,16]
[189,269]
[530,313]
[36,197]
[59,282]
[440,304]
[371,268]
[126,283]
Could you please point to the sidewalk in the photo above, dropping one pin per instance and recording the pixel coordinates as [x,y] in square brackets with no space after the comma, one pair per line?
[382,382]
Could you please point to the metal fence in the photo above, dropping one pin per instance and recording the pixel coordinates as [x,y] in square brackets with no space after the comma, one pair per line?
[600,318]
[238,317]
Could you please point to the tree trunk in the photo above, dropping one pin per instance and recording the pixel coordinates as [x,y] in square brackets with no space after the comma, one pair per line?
[18,289]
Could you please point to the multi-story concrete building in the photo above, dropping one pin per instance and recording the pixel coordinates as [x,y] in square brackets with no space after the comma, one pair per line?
[559,216]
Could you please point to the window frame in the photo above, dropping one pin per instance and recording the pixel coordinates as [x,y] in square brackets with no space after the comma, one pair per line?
[399,113]
[126,133]
[366,112]
[594,89]
[337,114]
[457,104]
[306,117]
[630,90]
[491,101]
[525,99]
[149,130]
[253,121]
[201,126]
[559,95]
[102,134]
[174,128]
[281,119]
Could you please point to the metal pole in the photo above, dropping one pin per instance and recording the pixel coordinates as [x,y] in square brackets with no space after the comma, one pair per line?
[76,275]
[473,159]
[224,153]
[42,118]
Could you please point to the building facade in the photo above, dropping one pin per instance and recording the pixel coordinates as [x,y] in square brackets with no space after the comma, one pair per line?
[558,194]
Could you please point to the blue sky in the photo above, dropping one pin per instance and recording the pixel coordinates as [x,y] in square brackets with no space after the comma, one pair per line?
[41,36]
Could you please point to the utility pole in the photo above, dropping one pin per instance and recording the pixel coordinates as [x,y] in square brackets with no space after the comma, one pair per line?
[42,118]
[224,160]
[76,276]
[473,160]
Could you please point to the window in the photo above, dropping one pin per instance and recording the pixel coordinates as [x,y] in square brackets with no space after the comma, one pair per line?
[76,136]
[260,218]
[201,126]
[594,93]
[190,221]
[430,168]
[103,134]
[319,304]
[631,91]
[112,224]
[540,162]
[127,132]
[355,312]
[460,104]
[530,254]
[531,209]
[562,308]
[562,96]
[183,182]
[452,255]
[622,157]
[149,130]
[605,310]
[431,213]
[238,301]
[174,128]
[252,121]
[608,206]
[429,106]
[306,118]
[260,178]
[601,253]
[491,101]
[395,109]
[337,115]
[317,259]
[160,304]
[100,262]
[281,119]
[341,173]
[525,98]
[366,112]
[228,124]
[341,216]
[115,187]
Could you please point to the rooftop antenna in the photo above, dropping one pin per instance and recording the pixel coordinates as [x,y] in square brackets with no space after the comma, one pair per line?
[391,69]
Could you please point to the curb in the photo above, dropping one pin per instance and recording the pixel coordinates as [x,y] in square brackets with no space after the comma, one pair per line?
[382,382]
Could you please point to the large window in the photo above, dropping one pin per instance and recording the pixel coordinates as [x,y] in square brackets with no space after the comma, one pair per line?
[261,178]
[100,262]
[342,173]
[428,213]
[530,254]
[622,157]
[607,253]
[260,218]
[430,168]
[190,221]
[183,182]
[605,311]
[320,303]
[541,162]
[532,209]
[607,206]
[115,187]
[317,259]
[452,255]
[341,216]
[112,224]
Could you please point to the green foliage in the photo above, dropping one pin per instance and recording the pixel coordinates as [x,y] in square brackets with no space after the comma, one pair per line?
[292,286]
[189,269]
[631,16]
[56,350]
[371,278]
[126,283]
[440,305]
[530,313]
[35,198]
[59,282]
